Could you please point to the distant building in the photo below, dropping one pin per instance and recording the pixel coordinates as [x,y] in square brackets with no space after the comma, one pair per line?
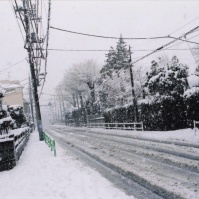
[14,94]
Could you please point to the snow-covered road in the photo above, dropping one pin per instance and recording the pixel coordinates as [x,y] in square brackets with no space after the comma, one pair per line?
[40,175]
[167,165]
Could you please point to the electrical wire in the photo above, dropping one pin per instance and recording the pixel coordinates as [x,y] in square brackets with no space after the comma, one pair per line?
[109,37]
[92,50]
[13,65]
[192,54]
[12,7]
[184,40]
[154,51]
[184,25]
[167,44]
[47,42]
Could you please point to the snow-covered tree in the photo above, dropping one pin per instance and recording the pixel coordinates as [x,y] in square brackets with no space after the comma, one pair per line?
[6,122]
[166,83]
[79,84]
[115,84]
[167,78]
[191,97]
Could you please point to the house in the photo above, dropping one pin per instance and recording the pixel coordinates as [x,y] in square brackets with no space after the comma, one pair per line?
[14,94]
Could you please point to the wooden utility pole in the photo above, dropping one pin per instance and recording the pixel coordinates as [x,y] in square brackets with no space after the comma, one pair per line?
[132,89]
[31,100]
[27,11]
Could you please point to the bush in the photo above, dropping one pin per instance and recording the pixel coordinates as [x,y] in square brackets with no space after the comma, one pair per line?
[16,112]
[165,114]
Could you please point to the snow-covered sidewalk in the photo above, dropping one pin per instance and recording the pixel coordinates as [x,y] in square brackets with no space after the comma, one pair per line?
[40,175]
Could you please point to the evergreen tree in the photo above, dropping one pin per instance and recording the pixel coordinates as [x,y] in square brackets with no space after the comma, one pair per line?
[110,63]
[122,54]
[167,82]
[115,76]
[5,119]
[167,79]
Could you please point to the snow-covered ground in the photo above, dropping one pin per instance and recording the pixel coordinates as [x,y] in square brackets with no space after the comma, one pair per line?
[40,175]
[182,135]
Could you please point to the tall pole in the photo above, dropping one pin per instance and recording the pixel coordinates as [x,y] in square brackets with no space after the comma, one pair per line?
[31,100]
[133,90]
[28,46]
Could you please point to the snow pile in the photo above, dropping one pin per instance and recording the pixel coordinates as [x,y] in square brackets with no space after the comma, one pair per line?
[194,90]
[41,175]
[18,131]
[6,119]
[184,135]
[193,81]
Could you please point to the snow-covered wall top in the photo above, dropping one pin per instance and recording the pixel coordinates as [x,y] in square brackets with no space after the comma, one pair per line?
[11,86]
[7,119]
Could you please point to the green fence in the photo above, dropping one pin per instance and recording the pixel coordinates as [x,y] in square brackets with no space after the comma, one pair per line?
[50,142]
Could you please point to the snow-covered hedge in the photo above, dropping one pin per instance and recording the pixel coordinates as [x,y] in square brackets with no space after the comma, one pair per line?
[164,114]
[17,114]
[191,98]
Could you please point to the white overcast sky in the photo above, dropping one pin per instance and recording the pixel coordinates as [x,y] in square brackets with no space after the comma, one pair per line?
[108,18]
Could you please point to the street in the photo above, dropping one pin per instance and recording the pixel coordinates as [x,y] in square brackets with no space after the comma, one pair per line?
[164,169]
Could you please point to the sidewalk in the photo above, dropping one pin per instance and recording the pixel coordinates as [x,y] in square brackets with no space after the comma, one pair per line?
[40,175]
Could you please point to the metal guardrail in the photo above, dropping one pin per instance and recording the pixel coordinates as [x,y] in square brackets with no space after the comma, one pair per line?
[122,126]
[50,142]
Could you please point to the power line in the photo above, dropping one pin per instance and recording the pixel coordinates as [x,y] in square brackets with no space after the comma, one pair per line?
[184,40]
[167,44]
[109,37]
[13,65]
[47,40]
[12,7]
[96,50]
[185,25]
[192,53]
[138,38]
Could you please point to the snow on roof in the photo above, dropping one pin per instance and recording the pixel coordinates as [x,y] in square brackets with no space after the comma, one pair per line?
[193,81]
[11,86]
[2,90]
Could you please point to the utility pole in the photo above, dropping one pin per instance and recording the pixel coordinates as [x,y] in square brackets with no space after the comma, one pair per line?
[132,89]
[31,100]
[29,18]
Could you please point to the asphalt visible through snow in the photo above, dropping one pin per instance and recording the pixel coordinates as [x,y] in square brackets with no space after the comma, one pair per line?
[144,168]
